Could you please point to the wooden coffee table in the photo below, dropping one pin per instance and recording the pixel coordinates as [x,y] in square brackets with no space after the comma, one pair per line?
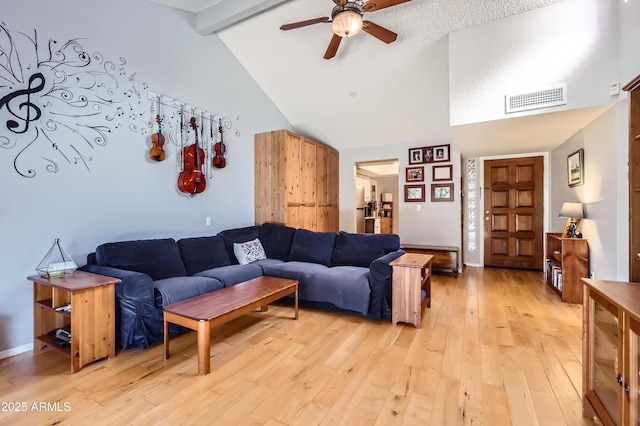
[213,309]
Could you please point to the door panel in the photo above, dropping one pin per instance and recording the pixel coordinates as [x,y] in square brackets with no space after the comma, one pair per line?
[513,231]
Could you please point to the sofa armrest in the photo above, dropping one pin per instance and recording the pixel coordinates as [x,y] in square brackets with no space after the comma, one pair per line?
[380,273]
[135,286]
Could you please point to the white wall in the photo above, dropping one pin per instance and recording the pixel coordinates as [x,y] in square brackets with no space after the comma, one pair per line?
[573,42]
[629,40]
[120,193]
[436,223]
[598,193]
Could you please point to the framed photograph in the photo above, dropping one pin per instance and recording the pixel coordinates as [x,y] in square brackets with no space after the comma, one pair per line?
[414,193]
[441,192]
[575,168]
[439,173]
[415,156]
[441,153]
[415,174]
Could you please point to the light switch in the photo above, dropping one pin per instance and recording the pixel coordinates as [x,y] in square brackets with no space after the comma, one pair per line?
[418,207]
[207,221]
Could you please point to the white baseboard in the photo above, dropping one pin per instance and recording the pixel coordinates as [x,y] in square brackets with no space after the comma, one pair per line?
[473,264]
[15,351]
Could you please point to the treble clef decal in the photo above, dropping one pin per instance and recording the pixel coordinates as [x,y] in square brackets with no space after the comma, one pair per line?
[26,107]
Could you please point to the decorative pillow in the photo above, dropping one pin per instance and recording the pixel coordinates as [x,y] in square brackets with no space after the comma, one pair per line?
[249,252]
[238,235]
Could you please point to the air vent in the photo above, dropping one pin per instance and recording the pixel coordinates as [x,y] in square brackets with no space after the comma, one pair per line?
[552,96]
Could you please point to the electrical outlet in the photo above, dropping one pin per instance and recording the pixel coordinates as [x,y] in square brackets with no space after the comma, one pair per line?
[207,221]
[418,207]
[592,275]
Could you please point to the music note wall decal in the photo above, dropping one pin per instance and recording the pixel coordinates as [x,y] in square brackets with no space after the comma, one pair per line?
[56,113]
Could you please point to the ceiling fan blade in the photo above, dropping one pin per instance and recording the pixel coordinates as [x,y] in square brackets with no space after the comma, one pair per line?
[340,2]
[380,4]
[295,25]
[379,32]
[333,47]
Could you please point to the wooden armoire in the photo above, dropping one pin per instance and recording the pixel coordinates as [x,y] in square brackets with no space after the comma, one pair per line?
[296,181]
[634,178]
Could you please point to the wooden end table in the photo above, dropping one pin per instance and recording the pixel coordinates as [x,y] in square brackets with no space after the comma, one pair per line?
[210,310]
[411,276]
[91,298]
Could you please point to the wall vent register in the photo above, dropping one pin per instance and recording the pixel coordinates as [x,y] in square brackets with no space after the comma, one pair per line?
[545,98]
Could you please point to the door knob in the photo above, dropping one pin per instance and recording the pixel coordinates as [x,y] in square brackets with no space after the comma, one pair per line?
[487,212]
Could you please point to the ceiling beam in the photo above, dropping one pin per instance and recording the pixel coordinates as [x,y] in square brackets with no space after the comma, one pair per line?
[228,12]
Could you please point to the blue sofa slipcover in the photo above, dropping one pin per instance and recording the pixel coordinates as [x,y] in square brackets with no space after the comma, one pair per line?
[339,271]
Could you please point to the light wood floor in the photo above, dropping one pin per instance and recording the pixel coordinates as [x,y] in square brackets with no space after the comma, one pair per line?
[497,347]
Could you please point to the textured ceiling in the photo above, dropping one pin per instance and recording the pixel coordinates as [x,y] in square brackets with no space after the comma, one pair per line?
[372,93]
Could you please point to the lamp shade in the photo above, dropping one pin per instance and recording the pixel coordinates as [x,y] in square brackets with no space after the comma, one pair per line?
[347,23]
[572,210]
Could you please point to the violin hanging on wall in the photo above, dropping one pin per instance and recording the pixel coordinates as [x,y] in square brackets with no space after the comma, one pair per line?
[156,153]
[191,179]
[219,162]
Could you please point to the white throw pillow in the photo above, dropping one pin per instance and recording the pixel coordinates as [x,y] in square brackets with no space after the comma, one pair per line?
[249,251]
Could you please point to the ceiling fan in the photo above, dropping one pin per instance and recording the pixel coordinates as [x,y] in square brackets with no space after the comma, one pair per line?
[346,21]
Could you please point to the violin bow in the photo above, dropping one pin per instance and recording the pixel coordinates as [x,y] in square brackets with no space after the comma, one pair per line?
[212,142]
[181,156]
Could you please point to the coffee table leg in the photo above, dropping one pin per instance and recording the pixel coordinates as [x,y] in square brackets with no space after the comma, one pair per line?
[204,347]
[296,302]
[166,337]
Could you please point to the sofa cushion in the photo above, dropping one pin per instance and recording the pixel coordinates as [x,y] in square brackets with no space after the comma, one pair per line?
[301,271]
[315,247]
[233,274]
[347,287]
[177,289]
[199,254]
[362,249]
[249,252]
[276,240]
[158,258]
[238,235]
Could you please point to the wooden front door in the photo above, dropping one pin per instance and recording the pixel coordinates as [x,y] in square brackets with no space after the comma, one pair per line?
[513,213]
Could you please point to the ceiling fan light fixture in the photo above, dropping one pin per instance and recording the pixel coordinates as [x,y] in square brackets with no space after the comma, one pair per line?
[347,23]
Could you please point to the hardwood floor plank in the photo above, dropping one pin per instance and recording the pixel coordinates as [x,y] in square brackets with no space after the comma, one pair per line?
[497,347]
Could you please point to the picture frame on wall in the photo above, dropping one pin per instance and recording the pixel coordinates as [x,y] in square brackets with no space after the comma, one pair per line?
[414,193]
[441,192]
[575,168]
[415,174]
[441,153]
[441,173]
[415,156]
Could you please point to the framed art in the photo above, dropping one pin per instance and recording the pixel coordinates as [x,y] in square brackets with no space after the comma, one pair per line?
[441,192]
[415,174]
[441,153]
[575,168]
[439,173]
[414,193]
[415,156]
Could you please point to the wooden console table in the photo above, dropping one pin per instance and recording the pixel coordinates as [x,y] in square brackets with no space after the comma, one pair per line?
[91,316]
[445,258]
[411,287]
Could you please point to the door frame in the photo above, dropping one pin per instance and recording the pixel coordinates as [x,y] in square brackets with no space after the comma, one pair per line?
[480,206]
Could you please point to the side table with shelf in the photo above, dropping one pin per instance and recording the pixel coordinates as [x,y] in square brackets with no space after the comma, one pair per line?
[567,261]
[91,317]
[411,287]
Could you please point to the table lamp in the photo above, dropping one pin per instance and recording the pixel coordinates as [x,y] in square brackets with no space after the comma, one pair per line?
[574,212]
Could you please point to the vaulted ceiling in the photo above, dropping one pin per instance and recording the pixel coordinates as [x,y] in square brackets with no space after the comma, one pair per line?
[372,93]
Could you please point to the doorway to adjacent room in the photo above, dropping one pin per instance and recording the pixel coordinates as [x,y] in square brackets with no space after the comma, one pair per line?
[376,190]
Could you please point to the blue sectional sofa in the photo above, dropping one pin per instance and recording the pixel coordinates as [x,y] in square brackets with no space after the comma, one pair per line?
[338,271]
